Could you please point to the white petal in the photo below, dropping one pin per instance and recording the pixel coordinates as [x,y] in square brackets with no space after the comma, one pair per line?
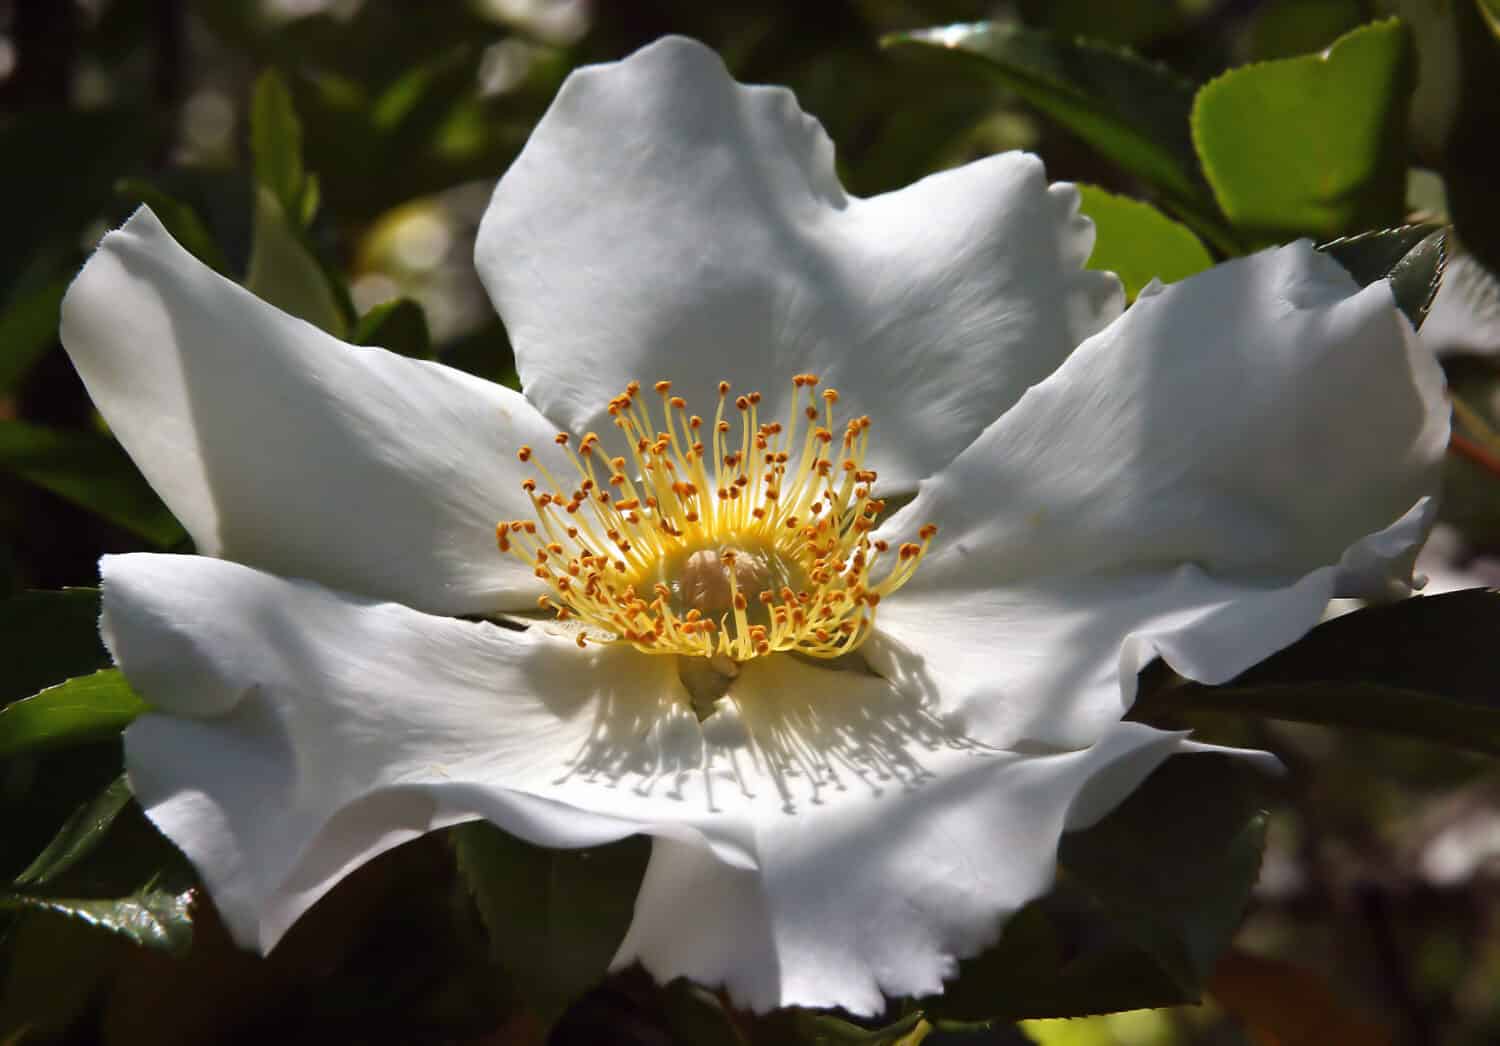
[879,890]
[278,445]
[1196,481]
[666,222]
[303,732]
[1052,663]
[1257,418]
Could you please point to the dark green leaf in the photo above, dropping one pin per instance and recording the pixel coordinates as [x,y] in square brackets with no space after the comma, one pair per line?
[47,637]
[1132,111]
[1422,667]
[28,328]
[1412,258]
[805,1028]
[399,325]
[89,708]
[151,918]
[90,471]
[276,142]
[1145,902]
[696,1017]
[1286,28]
[285,272]
[1313,145]
[555,917]
[1468,153]
[1174,868]
[79,835]
[180,219]
[1137,242]
[109,868]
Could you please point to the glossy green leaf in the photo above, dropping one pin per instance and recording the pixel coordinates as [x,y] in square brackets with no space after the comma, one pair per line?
[92,472]
[1133,111]
[284,271]
[152,918]
[79,835]
[28,328]
[1313,145]
[399,325]
[555,917]
[47,637]
[1411,257]
[1422,667]
[110,869]
[1145,902]
[89,708]
[276,142]
[1137,242]
[180,219]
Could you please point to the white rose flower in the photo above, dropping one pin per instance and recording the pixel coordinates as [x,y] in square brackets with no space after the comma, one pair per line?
[854,763]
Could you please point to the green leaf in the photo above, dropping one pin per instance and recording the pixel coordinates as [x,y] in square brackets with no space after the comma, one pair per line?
[1422,667]
[696,1017]
[1313,145]
[1137,242]
[79,835]
[1145,902]
[806,1028]
[1286,28]
[284,271]
[276,142]
[150,917]
[28,328]
[555,917]
[180,219]
[92,472]
[1133,111]
[88,708]
[47,637]
[1412,257]
[399,325]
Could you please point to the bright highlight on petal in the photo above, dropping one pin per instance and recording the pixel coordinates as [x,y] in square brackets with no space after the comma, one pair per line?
[720,544]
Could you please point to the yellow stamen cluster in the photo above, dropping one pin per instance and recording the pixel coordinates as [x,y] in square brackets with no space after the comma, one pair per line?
[704,541]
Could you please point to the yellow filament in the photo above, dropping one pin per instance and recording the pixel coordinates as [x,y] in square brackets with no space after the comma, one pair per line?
[786,509]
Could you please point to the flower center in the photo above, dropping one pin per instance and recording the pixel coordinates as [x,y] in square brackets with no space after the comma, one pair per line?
[716,544]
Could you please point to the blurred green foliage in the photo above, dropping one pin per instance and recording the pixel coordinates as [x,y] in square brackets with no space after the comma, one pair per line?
[335,157]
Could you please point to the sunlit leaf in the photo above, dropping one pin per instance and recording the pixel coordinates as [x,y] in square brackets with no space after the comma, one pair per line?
[1133,111]
[1412,258]
[92,472]
[151,918]
[88,708]
[555,917]
[1137,242]
[1422,667]
[1313,145]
